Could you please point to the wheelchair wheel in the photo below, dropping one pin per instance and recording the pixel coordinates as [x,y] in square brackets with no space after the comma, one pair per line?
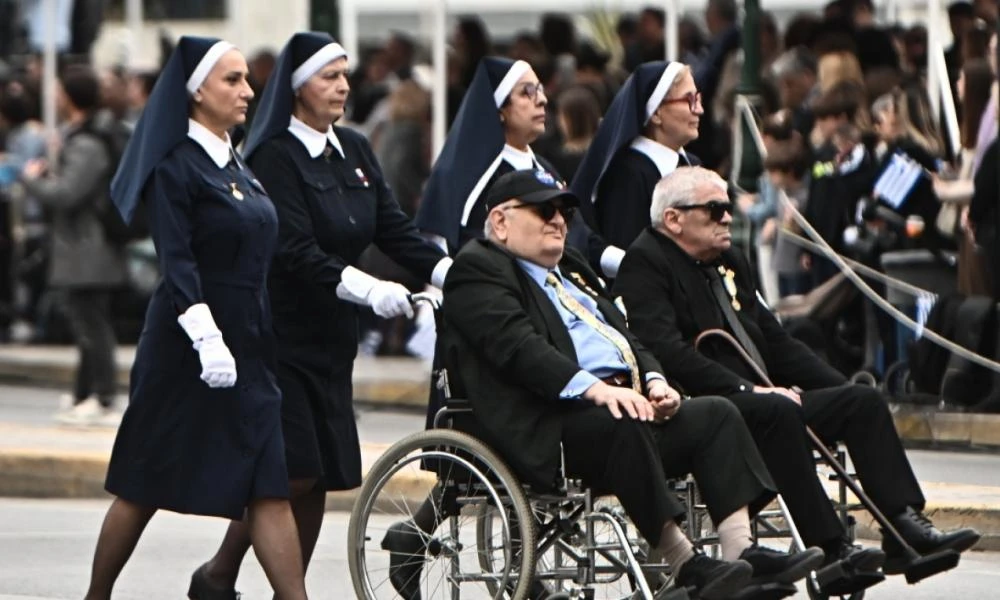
[469,477]
[563,550]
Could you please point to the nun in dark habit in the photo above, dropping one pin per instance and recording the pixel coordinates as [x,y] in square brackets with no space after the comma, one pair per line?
[202,432]
[502,114]
[640,140]
[332,202]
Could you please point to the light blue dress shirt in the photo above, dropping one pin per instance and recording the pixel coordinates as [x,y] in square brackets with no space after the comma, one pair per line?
[597,356]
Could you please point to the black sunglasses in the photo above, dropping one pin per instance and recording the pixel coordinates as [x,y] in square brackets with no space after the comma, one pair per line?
[547,211]
[717,209]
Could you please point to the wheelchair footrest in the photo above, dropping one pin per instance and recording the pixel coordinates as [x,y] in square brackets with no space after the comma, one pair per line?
[836,580]
[766,591]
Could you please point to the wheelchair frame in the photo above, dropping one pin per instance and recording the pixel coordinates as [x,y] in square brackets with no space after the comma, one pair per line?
[544,523]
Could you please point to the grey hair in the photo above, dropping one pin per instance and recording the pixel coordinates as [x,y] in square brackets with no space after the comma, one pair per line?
[678,188]
[794,62]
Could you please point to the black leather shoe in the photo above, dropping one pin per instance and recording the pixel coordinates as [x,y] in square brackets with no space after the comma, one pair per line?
[201,589]
[775,566]
[924,537]
[714,579]
[406,545]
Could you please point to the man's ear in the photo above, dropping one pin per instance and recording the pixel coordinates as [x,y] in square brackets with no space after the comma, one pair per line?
[671,221]
[498,219]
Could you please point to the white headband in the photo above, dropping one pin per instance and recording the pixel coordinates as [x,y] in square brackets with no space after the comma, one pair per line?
[205,65]
[662,87]
[324,55]
[503,90]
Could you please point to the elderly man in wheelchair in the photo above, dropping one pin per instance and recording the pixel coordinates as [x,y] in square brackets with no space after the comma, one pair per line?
[682,284]
[558,386]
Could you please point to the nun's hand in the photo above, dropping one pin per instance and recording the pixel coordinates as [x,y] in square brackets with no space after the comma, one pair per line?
[389,299]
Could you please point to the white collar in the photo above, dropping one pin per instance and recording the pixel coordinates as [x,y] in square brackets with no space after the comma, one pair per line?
[519,159]
[665,159]
[220,151]
[313,140]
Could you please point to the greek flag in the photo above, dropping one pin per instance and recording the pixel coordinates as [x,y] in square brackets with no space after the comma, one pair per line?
[897,180]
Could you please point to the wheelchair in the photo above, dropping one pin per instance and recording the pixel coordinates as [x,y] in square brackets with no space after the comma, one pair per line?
[495,537]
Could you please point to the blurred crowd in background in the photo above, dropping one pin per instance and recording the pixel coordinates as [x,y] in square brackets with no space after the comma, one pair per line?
[840,93]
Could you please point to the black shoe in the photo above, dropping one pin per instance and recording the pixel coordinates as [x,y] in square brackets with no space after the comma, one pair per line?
[771,565]
[406,545]
[924,537]
[856,558]
[201,589]
[713,578]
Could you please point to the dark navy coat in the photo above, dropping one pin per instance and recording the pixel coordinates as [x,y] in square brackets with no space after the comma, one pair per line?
[182,445]
[330,208]
[625,194]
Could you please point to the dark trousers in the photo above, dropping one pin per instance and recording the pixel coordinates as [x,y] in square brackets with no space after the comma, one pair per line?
[619,457]
[89,314]
[853,414]
[708,439]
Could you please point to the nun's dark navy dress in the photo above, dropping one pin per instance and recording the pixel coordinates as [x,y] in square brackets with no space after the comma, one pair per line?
[330,208]
[184,446]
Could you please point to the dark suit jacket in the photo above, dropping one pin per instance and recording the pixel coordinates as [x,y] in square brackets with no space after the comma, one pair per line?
[669,302]
[508,351]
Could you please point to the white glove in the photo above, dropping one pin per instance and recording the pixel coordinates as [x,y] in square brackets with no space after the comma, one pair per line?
[387,298]
[611,259]
[218,367]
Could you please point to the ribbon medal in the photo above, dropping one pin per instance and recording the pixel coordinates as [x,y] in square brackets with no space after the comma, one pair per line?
[236,192]
[582,283]
[361,175]
[729,280]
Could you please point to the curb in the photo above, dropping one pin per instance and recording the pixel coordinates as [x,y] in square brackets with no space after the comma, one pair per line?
[35,474]
[404,383]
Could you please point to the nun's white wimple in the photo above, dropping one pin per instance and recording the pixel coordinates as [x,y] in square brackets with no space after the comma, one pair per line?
[205,65]
[517,70]
[324,55]
[662,87]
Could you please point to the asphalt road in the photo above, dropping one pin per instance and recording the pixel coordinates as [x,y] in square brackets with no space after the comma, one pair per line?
[46,548]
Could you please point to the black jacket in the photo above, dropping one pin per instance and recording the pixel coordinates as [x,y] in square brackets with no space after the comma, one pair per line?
[669,302]
[508,351]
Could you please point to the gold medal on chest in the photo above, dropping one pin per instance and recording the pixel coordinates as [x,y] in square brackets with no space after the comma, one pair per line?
[729,281]
[582,283]
[236,192]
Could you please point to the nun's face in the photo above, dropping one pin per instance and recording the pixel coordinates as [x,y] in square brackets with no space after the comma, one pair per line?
[222,100]
[523,115]
[680,112]
[321,98]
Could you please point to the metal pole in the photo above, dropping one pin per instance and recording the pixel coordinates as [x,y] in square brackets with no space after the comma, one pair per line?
[672,12]
[750,162]
[49,73]
[133,23]
[439,99]
[349,30]
[237,25]
[933,44]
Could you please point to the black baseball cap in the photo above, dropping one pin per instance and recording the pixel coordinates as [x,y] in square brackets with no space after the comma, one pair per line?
[531,187]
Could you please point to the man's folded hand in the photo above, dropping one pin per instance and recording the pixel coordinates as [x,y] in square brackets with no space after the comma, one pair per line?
[620,400]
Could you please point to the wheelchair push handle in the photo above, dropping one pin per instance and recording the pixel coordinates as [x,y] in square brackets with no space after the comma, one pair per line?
[431,299]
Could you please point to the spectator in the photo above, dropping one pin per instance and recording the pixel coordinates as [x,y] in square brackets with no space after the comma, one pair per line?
[961,20]
[787,169]
[85,267]
[649,40]
[795,73]
[591,70]
[472,43]
[399,52]
[578,118]
[140,86]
